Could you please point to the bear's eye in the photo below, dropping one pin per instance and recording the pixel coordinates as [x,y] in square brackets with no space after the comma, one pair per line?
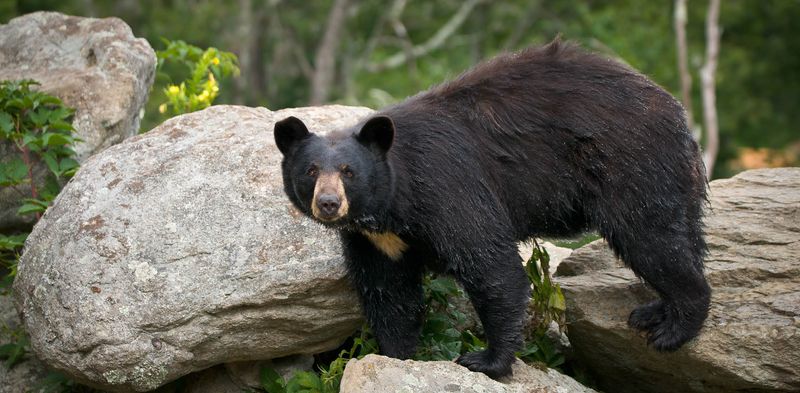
[346,171]
[312,170]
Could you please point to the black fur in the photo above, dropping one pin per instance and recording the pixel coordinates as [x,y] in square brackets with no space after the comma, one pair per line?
[544,142]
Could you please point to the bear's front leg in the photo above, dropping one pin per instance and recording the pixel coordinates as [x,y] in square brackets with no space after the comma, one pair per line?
[390,291]
[496,283]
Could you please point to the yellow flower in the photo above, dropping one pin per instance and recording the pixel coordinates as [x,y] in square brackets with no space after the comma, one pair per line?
[215,61]
[173,90]
[162,108]
[203,96]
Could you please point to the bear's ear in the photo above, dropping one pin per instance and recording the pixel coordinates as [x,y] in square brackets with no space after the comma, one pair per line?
[377,133]
[288,131]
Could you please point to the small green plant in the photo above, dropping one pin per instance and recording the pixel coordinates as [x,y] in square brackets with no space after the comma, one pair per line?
[441,338]
[300,382]
[329,378]
[546,298]
[548,304]
[200,87]
[541,350]
[10,249]
[38,126]
[55,382]
[15,348]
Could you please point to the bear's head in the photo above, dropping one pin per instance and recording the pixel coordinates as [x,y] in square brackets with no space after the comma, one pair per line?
[342,178]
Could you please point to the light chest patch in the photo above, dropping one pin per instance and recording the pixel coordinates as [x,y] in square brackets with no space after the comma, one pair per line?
[389,243]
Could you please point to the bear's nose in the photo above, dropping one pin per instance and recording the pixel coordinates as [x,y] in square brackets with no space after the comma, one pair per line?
[328,204]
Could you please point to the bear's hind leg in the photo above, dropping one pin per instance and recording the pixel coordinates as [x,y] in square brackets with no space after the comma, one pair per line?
[390,292]
[670,262]
[499,290]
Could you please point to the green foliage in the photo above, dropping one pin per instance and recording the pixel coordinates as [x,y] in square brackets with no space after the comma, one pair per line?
[200,88]
[442,338]
[329,377]
[541,350]
[363,345]
[38,126]
[546,298]
[576,243]
[300,382]
[17,345]
[10,249]
[56,382]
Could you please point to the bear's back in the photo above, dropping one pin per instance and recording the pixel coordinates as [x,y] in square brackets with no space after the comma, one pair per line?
[555,119]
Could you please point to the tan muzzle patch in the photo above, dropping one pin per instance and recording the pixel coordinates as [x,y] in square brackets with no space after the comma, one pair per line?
[330,183]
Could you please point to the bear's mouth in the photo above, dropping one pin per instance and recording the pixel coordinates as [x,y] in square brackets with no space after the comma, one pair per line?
[334,223]
[331,221]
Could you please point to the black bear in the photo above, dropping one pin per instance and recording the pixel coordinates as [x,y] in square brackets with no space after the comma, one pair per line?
[544,142]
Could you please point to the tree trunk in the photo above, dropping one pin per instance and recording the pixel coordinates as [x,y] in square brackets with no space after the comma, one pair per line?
[708,76]
[244,37]
[683,62]
[89,9]
[325,64]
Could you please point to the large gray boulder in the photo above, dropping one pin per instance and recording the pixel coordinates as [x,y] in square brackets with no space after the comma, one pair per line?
[178,250]
[96,66]
[376,373]
[751,340]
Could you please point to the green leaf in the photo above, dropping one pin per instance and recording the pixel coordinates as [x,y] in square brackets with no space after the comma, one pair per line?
[32,206]
[39,116]
[50,160]
[12,242]
[16,103]
[55,139]
[61,125]
[12,353]
[6,283]
[556,361]
[557,300]
[533,271]
[68,166]
[30,139]
[46,99]
[6,124]
[443,285]
[304,382]
[528,351]
[271,381]
[13,172]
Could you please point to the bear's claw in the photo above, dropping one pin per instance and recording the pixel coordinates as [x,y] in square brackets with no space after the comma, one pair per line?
[667,329]
[486,362]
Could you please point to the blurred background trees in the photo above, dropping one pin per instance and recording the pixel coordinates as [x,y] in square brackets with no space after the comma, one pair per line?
[373,53]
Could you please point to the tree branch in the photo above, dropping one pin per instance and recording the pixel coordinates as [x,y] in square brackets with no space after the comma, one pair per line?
[402,33]
[436,41]
[326,54]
